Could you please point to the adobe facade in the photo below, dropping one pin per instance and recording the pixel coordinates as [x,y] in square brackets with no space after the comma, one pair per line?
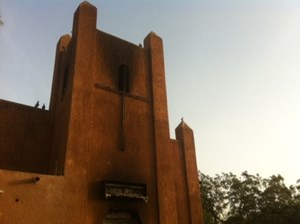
[102,153]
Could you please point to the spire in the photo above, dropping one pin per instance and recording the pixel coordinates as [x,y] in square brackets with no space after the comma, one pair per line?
[85,3]
[183,125]
[84,18]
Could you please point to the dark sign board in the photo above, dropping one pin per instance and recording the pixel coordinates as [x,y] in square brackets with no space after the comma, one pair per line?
[125,190]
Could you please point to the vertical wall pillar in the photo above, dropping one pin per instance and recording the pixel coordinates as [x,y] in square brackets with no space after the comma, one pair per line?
[60,50]
[80,93]
[81,86]
[185,135]
[165,179]
[59,125]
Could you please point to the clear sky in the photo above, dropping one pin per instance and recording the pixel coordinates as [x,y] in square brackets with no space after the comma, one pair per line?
[232,70]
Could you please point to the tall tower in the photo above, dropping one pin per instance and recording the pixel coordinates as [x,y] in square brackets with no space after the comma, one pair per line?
[110,156]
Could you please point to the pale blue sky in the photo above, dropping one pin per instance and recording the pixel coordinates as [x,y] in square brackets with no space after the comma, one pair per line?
[232,70]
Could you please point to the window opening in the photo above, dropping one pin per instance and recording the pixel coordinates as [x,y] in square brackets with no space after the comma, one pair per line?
[65,81]
[123,78]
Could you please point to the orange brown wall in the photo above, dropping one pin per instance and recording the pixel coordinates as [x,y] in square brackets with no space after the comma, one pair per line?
[96,132]
[24,135]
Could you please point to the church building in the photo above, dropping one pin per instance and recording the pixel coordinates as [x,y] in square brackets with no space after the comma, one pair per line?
[102,153]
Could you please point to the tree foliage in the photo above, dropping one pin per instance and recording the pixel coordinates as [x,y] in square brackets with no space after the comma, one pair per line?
[1,22]
[249,199]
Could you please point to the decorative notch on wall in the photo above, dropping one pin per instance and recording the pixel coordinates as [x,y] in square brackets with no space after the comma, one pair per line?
[124,88]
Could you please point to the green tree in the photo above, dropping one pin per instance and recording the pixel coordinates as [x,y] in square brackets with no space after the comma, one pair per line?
[213,199]
[1,22]
[249,199]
